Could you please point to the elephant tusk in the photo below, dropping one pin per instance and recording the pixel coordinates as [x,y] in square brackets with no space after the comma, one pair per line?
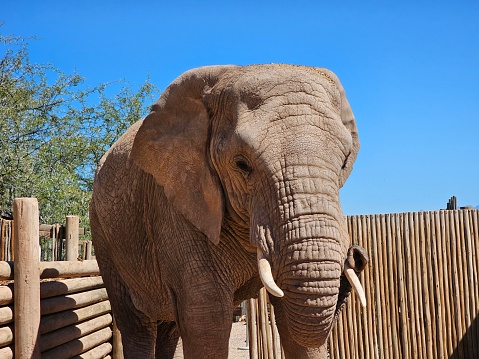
[355,283]
[266,275]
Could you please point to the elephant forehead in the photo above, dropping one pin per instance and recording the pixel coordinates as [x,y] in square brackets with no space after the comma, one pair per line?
[294,129]
[255,90]
[270,76]
[297,97]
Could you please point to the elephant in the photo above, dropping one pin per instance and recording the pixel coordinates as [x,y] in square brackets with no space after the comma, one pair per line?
[229,184]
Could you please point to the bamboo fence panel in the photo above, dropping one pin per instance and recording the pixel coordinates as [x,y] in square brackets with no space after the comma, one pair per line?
[421,287]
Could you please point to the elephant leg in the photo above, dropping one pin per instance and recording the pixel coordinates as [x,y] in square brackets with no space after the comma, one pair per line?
[204,321]
[166,340]
[137,332]
[293,350]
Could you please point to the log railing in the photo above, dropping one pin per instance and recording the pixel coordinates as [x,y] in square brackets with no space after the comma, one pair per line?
[51,309]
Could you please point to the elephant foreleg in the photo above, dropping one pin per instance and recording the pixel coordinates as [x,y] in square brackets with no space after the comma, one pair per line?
[138,334]
[204,321]
[166,340]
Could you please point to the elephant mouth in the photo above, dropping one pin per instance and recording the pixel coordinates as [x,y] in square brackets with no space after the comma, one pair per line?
[312,299]
[266,275]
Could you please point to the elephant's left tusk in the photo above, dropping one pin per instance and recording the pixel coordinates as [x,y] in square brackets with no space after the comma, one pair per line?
[266,275]
[355,283]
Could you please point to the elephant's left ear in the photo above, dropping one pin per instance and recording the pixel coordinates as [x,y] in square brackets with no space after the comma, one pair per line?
[347,117]
[172,145]
[349,122]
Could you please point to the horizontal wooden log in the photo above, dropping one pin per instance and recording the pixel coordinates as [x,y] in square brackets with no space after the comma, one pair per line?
[6,270]
[72,301]
[55,321]
[6,335]
[69,286]
[46,230]
[6,294]
[78,346]
[7,352]
[55,288]
[75,331]
[98,352]
[56,269]
[60,269]
[6,315]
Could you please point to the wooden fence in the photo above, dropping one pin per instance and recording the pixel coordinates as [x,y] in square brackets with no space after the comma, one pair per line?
[421,286]
[52,241]
[66,315]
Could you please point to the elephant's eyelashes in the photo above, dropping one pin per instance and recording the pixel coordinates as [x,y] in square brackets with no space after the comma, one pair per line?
[243,165]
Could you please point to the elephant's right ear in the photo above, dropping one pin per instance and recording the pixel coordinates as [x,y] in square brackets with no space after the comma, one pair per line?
[172,145]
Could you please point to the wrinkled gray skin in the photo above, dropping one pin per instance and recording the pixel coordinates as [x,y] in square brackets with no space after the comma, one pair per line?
[231,159]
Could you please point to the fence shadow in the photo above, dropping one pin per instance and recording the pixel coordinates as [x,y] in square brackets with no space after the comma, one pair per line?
[468,346]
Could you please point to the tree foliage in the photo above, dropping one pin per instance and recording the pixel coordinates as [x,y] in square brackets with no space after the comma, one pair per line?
[54,129]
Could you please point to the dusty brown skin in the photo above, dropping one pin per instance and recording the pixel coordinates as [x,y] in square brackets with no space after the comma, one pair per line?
[230,160]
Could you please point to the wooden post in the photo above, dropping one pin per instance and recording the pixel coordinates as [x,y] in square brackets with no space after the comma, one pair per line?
[27,278]
[252,332]
[117,343]
[71,234]
[88,250]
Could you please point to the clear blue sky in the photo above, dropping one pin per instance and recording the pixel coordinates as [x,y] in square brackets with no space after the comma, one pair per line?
[411,72]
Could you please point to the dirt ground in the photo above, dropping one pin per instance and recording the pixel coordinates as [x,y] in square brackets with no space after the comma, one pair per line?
[237,340]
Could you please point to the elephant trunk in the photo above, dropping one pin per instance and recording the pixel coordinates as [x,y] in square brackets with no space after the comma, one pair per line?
[306,252]
[310,278]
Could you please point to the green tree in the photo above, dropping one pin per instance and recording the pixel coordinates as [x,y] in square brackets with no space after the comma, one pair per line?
[54,129]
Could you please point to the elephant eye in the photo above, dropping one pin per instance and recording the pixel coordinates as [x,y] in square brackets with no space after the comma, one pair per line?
[242,164]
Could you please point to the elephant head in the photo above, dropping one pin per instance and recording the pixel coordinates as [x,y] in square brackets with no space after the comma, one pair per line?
[265,149]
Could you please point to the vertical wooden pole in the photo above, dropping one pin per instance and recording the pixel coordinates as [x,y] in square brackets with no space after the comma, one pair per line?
[370,287]
[445,259]
[263,315]
[117,343]
[376,262]
[88,250]
[275,334]
[252,332]
[475,241]
[456,276]
[450,282]
[27,278]
[258,329]
[54,242]
[409,273]
[436,265]
[71,234]
[2,239]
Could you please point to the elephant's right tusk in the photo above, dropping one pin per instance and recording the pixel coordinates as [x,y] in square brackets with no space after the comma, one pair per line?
[355,283]
[266,275]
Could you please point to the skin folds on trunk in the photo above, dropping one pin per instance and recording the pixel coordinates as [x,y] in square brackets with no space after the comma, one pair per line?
[307,258]
[308,253]
[298,225]
[310,279]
